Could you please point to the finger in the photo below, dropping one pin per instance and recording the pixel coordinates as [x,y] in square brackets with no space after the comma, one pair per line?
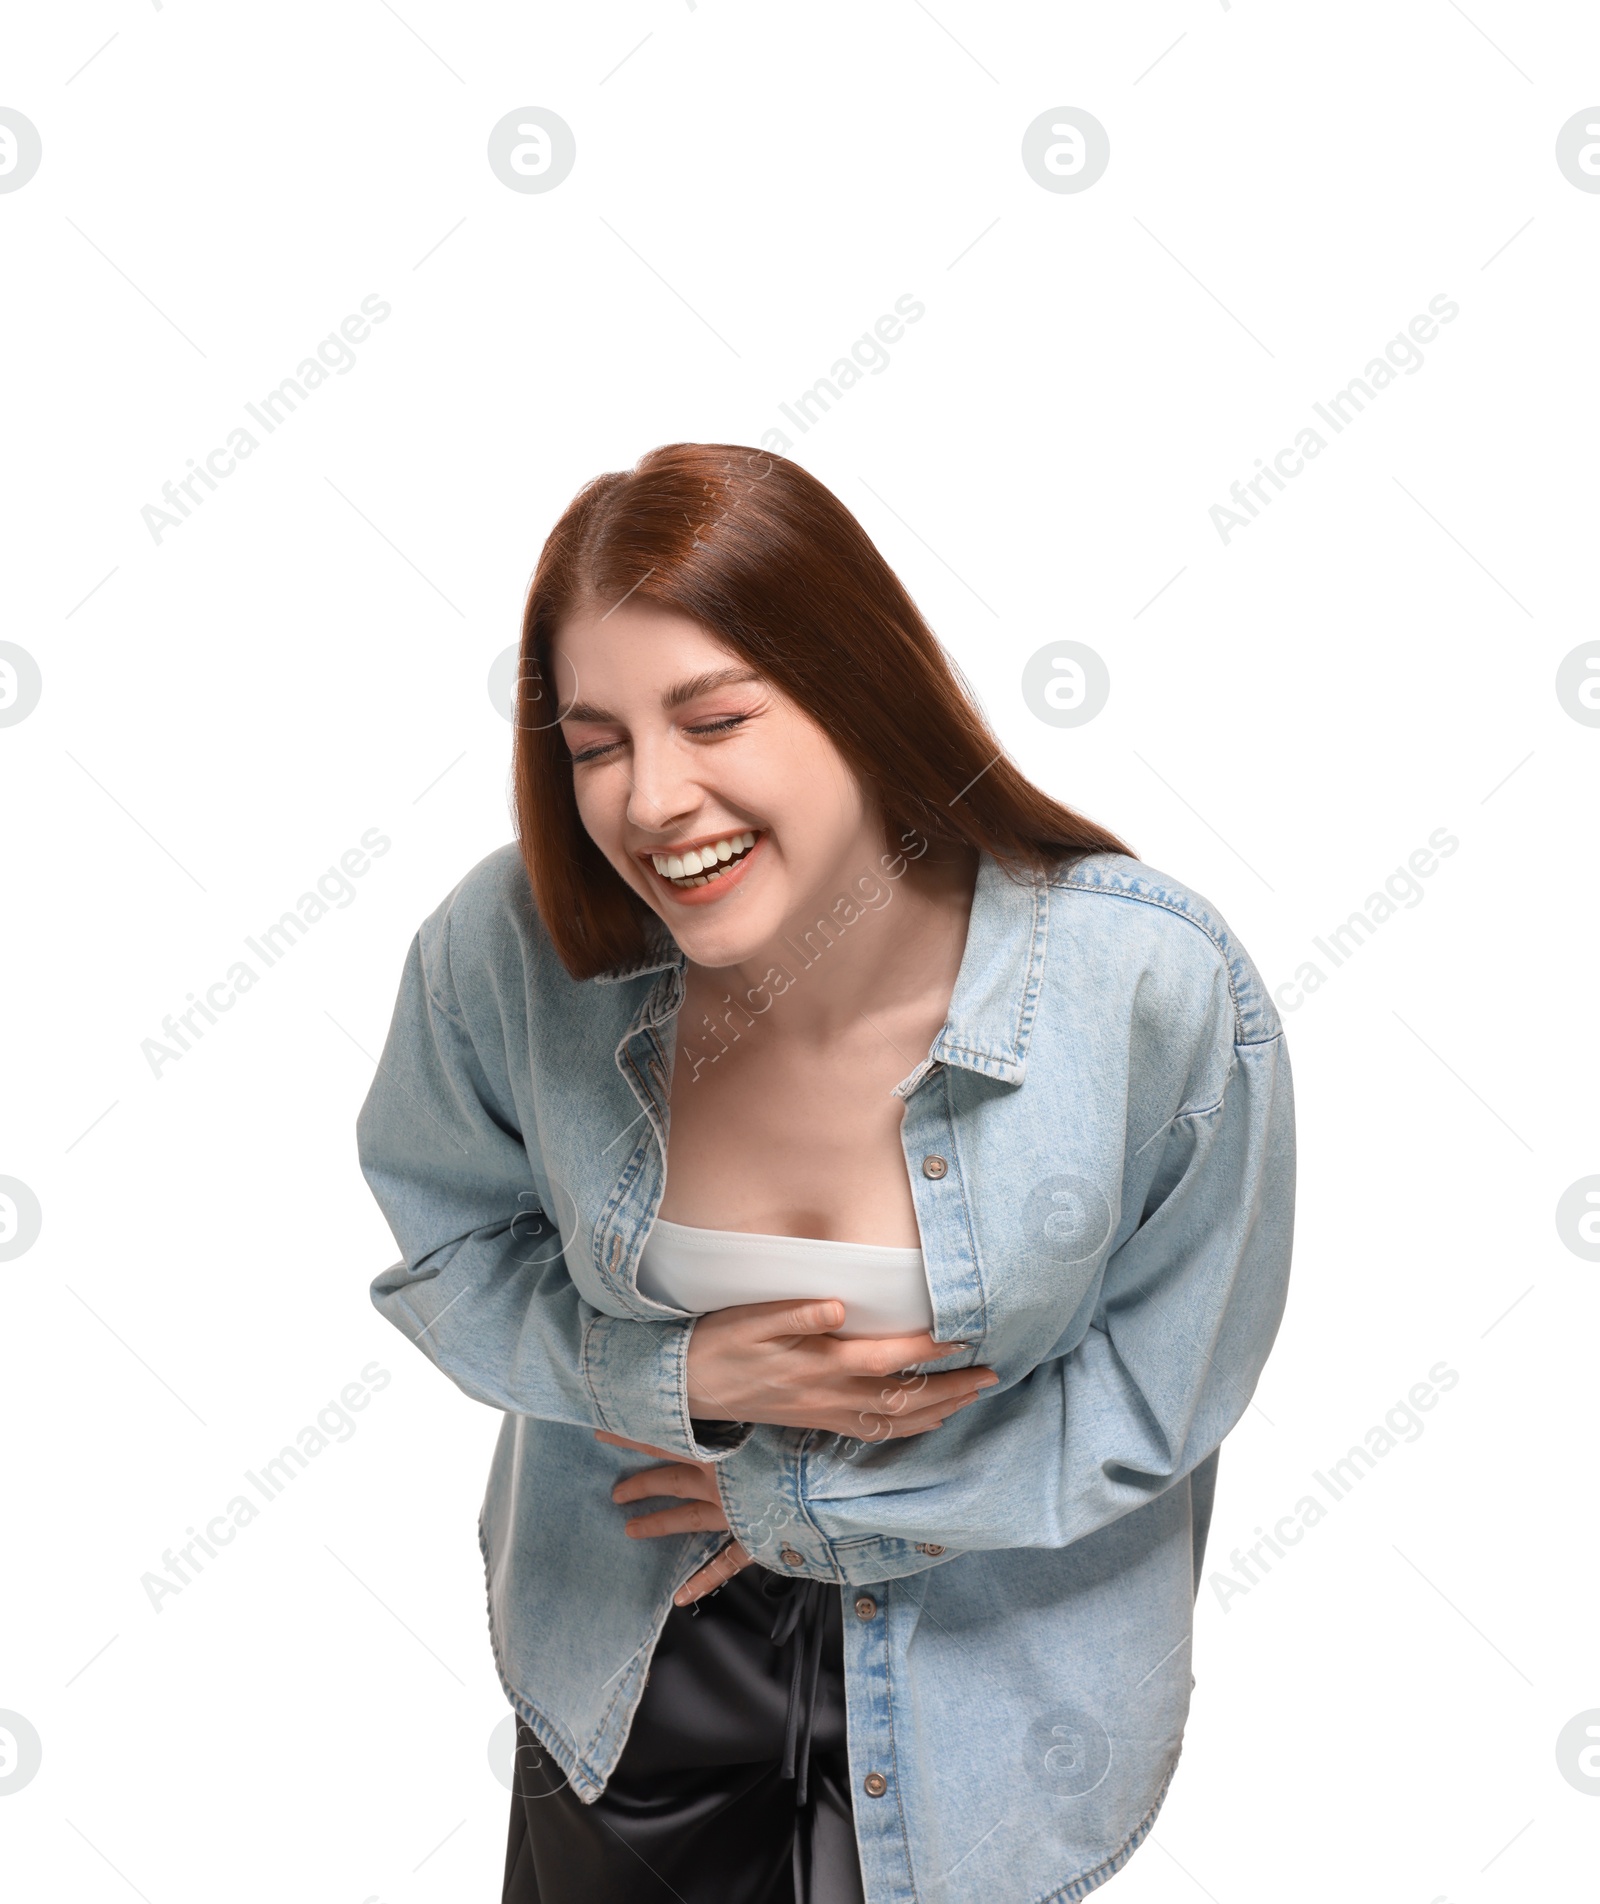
[695,1517]
[902,1392]
[684,1479]
[920,1420]
[922,1391]
[887,1355]
[882,1405]
[797,1318]
[640,1447]
[876,1426]
[717,1572]
[869,1425]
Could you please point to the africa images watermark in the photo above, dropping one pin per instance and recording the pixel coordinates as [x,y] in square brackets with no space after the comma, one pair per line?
[274,941]
[275,1476]
[813,404]
[1401,353]
[1400,1423]
[869,895]
[1400,890]
[276,407]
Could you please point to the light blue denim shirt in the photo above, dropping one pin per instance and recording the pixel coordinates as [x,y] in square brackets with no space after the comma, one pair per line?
[1100,1145]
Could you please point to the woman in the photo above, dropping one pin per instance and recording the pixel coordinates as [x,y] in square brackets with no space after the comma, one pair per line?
[974,1244]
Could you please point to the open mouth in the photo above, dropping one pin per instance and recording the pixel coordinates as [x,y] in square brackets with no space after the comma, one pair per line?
[705,865]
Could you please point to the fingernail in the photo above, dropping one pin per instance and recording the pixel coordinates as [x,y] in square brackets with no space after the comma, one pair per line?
[988,1381]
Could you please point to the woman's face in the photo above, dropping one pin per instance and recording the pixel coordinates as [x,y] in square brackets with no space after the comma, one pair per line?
[680,746]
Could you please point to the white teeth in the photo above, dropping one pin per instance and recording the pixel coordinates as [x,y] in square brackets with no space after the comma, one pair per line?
[695,868]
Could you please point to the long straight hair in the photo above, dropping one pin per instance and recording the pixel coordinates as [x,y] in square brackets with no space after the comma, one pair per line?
[768,560]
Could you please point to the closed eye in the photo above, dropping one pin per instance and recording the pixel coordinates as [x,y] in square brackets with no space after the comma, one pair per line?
[719,727]
[603,748]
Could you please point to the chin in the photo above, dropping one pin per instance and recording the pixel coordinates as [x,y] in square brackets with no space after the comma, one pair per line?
[718,942]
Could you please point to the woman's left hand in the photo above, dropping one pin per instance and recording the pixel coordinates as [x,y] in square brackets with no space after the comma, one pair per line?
[694,1483]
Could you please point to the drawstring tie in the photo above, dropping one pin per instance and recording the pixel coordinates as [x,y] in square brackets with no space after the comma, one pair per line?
[804,1605]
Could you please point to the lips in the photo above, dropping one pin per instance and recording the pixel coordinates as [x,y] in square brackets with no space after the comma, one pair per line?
[693,866]
[695,873]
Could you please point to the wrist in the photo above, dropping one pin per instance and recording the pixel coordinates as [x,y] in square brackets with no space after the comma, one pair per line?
[704,1403]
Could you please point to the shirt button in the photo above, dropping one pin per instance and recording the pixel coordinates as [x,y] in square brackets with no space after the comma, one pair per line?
[875,1784]
[790,1558]
[934,1167]
[929,1547]
[866,1607]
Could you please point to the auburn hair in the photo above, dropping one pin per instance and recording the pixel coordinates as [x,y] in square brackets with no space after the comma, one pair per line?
[762,555]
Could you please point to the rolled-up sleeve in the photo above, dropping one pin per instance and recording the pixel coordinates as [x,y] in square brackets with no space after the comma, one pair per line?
[482,1287]
[1188,1310]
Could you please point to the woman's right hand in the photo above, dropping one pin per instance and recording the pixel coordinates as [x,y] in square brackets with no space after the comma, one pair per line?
[776,1362]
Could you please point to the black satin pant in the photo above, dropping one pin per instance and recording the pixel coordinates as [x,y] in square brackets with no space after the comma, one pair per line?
[734,1784]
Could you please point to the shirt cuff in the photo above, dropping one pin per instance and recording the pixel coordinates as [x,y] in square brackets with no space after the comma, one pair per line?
[759,1486]
[637,1375]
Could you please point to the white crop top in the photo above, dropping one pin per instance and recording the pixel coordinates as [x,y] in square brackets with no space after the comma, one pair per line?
[884,1290]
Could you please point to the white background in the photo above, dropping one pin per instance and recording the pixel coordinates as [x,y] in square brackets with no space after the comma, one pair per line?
[1292,713]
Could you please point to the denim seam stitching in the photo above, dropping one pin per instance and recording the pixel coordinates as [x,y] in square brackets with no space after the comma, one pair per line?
[1248,1044]
[894,1757]
[1108,1867]
[589,1364]
[1030,984]
[546,1729]
[558,1733]
[1040,946]
[679,1351]
[802,1507]
[631,1170]
[966,1209]
[1166,905]
[993,1063]
[646,1096]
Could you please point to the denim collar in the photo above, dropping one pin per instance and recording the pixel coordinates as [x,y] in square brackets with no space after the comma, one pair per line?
[996,990]
[663,950]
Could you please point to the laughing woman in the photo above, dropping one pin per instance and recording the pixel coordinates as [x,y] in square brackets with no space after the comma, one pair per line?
[844,1527]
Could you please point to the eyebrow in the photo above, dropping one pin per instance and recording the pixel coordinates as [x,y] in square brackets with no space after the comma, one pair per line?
[677,696]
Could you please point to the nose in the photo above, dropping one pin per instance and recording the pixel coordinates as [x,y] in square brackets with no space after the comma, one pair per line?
[663,791]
